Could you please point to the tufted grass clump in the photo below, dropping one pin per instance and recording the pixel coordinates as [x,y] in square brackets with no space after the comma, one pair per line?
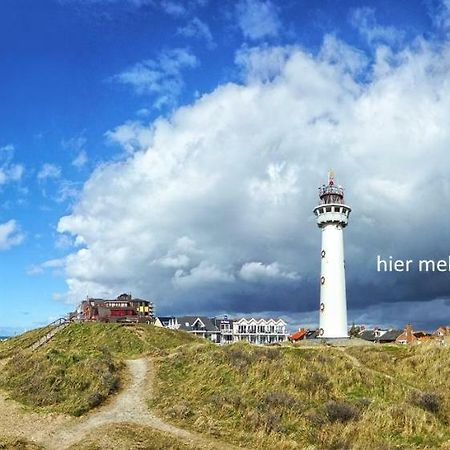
[71,382]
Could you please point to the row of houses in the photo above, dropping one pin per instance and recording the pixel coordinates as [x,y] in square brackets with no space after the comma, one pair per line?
[126,309]
[405,336]
[384,336]
[225,330]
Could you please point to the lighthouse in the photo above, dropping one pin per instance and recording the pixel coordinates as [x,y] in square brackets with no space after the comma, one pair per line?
[332,217]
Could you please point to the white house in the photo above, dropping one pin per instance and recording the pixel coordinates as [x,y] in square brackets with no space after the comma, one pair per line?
[259,331]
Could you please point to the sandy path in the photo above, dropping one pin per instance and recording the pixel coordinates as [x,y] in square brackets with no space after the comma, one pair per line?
[16,421]
[129,406]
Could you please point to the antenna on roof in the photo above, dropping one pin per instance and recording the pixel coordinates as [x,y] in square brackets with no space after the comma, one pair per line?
[331,176]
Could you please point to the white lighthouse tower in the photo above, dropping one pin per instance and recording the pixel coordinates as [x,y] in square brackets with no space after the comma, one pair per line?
[332,217]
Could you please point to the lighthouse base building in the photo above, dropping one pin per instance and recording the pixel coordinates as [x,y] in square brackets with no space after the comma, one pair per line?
[332,217]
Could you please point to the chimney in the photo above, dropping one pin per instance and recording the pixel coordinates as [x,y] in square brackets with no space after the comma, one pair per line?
[409,333]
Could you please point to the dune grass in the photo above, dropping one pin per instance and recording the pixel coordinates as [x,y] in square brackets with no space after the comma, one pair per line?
[71,382]
[258,397]
[424,366]
[121,341]
[9,346]
[131,437]
[292,398]
[82,365]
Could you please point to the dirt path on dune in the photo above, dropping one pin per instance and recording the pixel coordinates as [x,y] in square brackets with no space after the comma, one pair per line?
[130,407]
[59,431]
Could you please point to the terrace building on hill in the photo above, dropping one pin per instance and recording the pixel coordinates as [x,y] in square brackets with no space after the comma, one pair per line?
[123,309]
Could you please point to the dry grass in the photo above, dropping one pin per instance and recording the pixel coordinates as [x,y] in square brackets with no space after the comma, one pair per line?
[287,398]
[81,366]
[17,444]
[131,437]
[424,366]
[121,341]
[264,398]
[9,346]
[71,382]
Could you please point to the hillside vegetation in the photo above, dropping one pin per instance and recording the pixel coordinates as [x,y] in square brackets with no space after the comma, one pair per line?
[121,341]
[10,346]
[293,398]
[81,365]
[281,397]
[71,381]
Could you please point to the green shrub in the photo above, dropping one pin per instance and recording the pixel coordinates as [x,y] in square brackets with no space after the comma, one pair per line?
[340,411]
[429,401]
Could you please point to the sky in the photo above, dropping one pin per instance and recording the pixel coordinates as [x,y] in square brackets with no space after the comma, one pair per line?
[173,150]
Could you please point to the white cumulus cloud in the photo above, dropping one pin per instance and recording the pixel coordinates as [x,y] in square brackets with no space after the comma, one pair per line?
[208,199]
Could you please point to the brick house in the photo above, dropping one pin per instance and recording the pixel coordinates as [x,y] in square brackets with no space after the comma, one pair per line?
[409,336]
[123,309]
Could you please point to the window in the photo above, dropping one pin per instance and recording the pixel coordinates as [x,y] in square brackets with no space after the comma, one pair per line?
[328,208]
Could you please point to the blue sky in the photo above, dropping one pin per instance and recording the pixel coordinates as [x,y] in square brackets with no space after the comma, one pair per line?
[82,85]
